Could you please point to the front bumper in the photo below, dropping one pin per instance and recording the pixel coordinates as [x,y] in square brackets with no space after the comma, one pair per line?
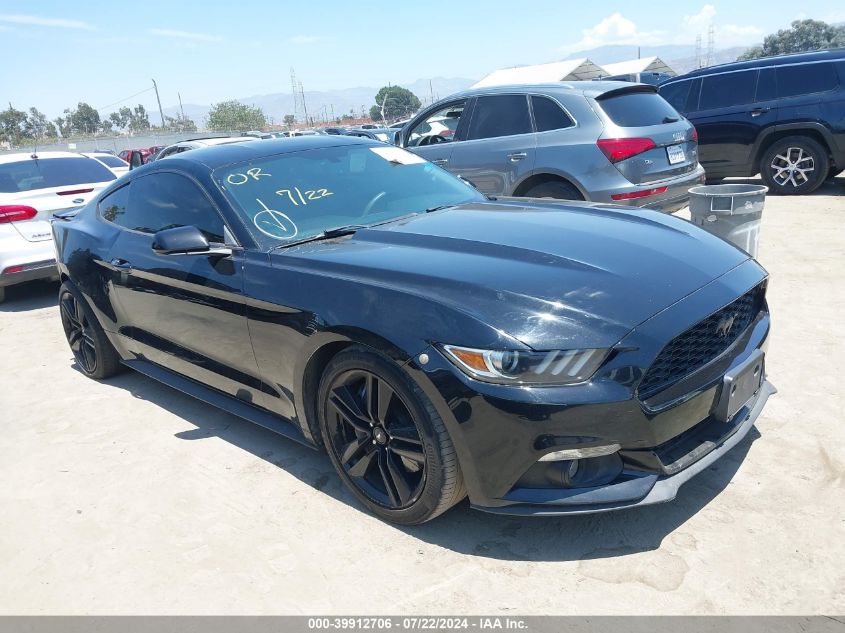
[639,489]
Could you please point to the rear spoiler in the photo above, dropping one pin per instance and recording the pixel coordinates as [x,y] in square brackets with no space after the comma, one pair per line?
[626,90]
[68,215]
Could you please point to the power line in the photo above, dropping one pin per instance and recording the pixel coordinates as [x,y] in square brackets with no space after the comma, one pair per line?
[126,99]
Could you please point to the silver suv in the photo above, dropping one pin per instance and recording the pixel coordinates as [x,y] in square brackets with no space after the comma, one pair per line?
[602,141]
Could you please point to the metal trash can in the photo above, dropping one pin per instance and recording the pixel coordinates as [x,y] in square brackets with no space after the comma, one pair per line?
[732,212]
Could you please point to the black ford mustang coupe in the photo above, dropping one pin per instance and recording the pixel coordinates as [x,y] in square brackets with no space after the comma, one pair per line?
[536,356]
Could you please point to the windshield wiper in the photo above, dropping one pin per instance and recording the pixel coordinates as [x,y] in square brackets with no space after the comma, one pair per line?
[337,231]
[438,208]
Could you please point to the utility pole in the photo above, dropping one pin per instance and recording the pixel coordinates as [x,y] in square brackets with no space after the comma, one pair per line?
[431,90]
[180,106]
[710,42]
[160,111]
[332,106]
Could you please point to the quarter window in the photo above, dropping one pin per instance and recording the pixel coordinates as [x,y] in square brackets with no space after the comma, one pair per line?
[113,206]
[548,115]
[805,79]
[728,89]
[499,115]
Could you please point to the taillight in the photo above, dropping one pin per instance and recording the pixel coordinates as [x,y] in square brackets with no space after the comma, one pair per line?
[694,135]
[629,195]
[16,213]
[617,149]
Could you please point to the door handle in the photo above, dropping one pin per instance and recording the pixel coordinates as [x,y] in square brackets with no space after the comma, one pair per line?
[517,156]
[121,264]
[759,111]
[440,161]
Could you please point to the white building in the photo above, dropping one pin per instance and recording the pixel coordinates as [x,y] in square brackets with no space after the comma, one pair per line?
[567,70]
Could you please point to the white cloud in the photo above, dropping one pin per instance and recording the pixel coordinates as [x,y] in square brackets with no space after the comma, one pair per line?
[305,39]
[35,20]
[617,29]
[185,35]
[614,29]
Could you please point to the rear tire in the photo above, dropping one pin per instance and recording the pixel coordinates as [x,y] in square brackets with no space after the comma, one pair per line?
[94,354]
[554,189]
[386,440]
[794,165]
[2,294]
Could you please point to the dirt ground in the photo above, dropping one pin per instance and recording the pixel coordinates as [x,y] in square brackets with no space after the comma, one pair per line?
[127,497]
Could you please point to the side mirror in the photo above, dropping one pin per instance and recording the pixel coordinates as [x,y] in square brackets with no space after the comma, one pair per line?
[185,240]
[397,137]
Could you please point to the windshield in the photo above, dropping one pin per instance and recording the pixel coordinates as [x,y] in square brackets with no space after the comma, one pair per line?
[299,195]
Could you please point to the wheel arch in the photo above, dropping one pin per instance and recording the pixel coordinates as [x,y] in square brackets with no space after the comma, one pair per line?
[547,176]
[322,348]
[815,131]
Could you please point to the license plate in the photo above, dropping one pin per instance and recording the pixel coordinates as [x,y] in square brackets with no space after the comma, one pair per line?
[739,386]
[675,154]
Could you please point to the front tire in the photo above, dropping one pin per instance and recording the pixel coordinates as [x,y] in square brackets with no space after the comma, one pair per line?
[794,165]
[92,351]
[386,440]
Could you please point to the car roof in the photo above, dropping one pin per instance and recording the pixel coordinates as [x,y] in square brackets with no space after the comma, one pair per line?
[226,154]
[585,88]
[763,62]
[95,154]
[18,156]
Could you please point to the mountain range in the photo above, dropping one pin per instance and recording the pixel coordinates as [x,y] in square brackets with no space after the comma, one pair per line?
[326,105]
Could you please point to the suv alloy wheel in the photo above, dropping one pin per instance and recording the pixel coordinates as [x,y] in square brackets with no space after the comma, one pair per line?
[794,165]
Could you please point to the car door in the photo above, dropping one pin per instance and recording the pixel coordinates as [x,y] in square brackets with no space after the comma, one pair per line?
[184,312]
[729,119]
[434,134]
[500,146]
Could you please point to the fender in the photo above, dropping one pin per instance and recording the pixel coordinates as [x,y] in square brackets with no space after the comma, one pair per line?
[797,127]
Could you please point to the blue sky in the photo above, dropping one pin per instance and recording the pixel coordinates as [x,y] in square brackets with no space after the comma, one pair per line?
[57,53]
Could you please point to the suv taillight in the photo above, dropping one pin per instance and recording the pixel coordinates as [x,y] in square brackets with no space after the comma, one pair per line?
[617,149]
[16,213]
[694,135]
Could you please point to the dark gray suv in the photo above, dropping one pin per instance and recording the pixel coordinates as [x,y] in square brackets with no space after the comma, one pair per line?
[601,141]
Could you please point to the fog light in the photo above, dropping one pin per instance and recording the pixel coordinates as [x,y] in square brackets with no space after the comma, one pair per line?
[580,453]
[573,469]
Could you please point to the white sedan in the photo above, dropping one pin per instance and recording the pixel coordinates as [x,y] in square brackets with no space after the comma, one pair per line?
[33,188]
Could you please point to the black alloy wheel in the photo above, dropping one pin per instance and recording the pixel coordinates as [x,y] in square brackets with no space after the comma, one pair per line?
[374,438]
[386,439]
[79,332]
[92,351]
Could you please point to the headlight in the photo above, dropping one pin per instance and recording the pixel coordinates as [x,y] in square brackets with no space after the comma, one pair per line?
[555,367]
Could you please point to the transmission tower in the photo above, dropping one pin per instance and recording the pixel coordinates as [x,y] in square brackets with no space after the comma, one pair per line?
[698,51]
[710,41]
[295,90]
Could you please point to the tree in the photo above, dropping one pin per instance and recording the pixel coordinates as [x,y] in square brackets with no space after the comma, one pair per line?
[106,126]
[394,102]
[289,120]
[85,119]
[12,125]
[180,123]
[139,120]
[802,36]
[233,115]
[38,126]
[121,118]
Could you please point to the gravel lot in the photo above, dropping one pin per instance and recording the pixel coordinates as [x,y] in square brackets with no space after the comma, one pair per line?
[128,497]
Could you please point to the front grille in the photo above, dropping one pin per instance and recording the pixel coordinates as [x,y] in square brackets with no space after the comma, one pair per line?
[701,343]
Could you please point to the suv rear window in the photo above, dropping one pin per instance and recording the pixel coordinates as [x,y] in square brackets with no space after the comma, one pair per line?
[637,109]
[43,173]
[805,79]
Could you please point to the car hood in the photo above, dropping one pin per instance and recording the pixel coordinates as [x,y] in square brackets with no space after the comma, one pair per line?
[551,275]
